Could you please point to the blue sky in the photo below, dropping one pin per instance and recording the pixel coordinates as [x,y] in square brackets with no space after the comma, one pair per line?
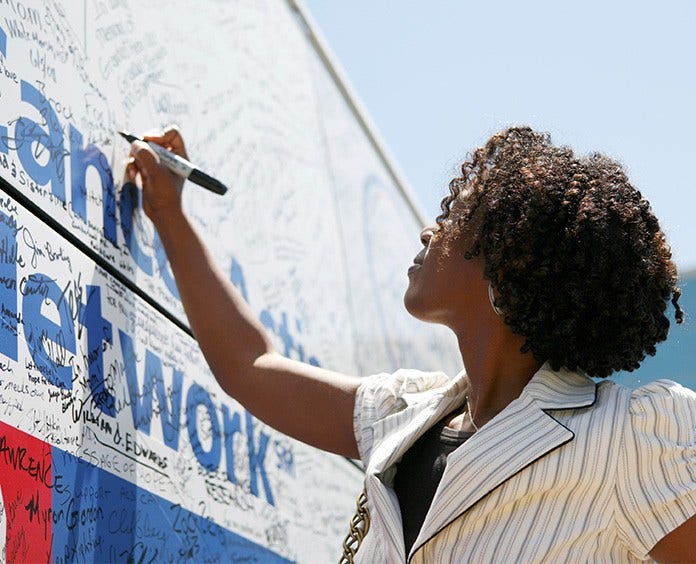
[438,77]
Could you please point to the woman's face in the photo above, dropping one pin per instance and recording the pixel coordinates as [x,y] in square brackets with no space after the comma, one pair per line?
[443,285]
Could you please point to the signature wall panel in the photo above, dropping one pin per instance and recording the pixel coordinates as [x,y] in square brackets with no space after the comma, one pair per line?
[116,443]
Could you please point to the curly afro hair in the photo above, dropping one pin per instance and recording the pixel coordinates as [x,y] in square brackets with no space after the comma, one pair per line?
[577,260]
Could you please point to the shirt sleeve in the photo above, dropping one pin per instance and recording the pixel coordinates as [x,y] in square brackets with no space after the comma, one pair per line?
[384,394]
[656,472]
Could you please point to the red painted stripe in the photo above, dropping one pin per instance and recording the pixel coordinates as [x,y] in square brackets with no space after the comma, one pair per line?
[25,480]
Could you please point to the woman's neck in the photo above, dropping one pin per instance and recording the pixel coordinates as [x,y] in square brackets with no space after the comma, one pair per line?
[496,369]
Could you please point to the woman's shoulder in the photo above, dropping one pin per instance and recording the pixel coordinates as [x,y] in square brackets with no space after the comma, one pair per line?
[661,395]
[655,481]
[383,395]
[652,394]
[392,390]
[664,409]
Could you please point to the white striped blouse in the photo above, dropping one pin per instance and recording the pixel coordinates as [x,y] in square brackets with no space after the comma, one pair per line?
[571,471]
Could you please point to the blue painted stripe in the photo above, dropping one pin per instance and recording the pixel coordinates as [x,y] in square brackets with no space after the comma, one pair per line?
[111,519]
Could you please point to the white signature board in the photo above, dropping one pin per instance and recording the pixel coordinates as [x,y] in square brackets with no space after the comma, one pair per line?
[116,443]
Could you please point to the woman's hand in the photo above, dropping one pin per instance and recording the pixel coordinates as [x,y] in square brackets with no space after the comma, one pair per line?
[161,187]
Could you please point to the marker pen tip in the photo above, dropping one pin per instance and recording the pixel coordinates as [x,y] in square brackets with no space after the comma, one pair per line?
[127,136]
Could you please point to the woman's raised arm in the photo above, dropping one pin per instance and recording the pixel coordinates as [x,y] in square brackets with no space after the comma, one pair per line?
[309,403]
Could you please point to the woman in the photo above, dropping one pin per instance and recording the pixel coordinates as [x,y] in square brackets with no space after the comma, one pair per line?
[548,268]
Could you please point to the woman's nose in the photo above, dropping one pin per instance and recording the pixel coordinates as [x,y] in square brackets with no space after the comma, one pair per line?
[427,234]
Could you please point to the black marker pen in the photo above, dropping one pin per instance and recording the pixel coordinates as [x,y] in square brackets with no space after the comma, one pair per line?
[179,165]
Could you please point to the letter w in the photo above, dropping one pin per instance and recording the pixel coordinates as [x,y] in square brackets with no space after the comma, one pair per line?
[141,399]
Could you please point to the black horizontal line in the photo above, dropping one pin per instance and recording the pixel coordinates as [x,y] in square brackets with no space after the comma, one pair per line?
[91,253]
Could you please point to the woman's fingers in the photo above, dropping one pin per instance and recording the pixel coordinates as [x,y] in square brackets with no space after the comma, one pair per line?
[146,161]
[161,187]
[131,170]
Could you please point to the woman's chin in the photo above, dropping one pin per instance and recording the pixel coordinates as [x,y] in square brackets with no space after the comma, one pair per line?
[415,305]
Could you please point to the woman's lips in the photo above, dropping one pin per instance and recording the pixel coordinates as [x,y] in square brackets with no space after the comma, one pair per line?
[417,261]
[415,266]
